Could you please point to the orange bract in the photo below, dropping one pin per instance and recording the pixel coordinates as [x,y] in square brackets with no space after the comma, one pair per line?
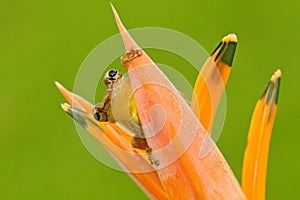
[193,176]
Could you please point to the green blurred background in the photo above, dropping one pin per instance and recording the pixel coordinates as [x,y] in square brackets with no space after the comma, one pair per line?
[41,154]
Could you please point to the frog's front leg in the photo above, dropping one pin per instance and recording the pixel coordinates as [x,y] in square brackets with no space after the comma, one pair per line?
[129,56]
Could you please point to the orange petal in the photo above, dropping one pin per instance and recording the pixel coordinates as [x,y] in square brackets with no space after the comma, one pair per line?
[212,80]
[111,138]
[176,136]
[256,153]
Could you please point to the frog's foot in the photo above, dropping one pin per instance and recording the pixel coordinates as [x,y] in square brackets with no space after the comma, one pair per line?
[141,143]
[99,113]
[129,56]
[152,160]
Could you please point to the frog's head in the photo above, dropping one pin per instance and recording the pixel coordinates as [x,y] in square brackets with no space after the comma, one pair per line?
[112,76]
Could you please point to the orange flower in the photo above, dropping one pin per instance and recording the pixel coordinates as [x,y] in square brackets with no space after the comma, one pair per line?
[191,165]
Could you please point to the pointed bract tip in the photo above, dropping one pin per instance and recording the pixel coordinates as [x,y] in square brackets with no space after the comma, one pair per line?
[129,43]
[66,93]
[118,20]
[58,85]
[61,88]
[230,38]
[65,106]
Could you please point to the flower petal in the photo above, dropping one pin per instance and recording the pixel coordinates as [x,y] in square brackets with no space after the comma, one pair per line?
[212,80]
[256,153]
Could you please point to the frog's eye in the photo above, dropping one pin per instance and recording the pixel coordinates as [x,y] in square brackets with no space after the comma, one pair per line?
[100,116]
[112,76]
[112,73]
[98,112]
[97,116]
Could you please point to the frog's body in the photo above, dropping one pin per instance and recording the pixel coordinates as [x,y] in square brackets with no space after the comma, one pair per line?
[119,106]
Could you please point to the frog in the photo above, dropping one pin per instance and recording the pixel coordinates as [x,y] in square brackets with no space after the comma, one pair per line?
[112,108]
